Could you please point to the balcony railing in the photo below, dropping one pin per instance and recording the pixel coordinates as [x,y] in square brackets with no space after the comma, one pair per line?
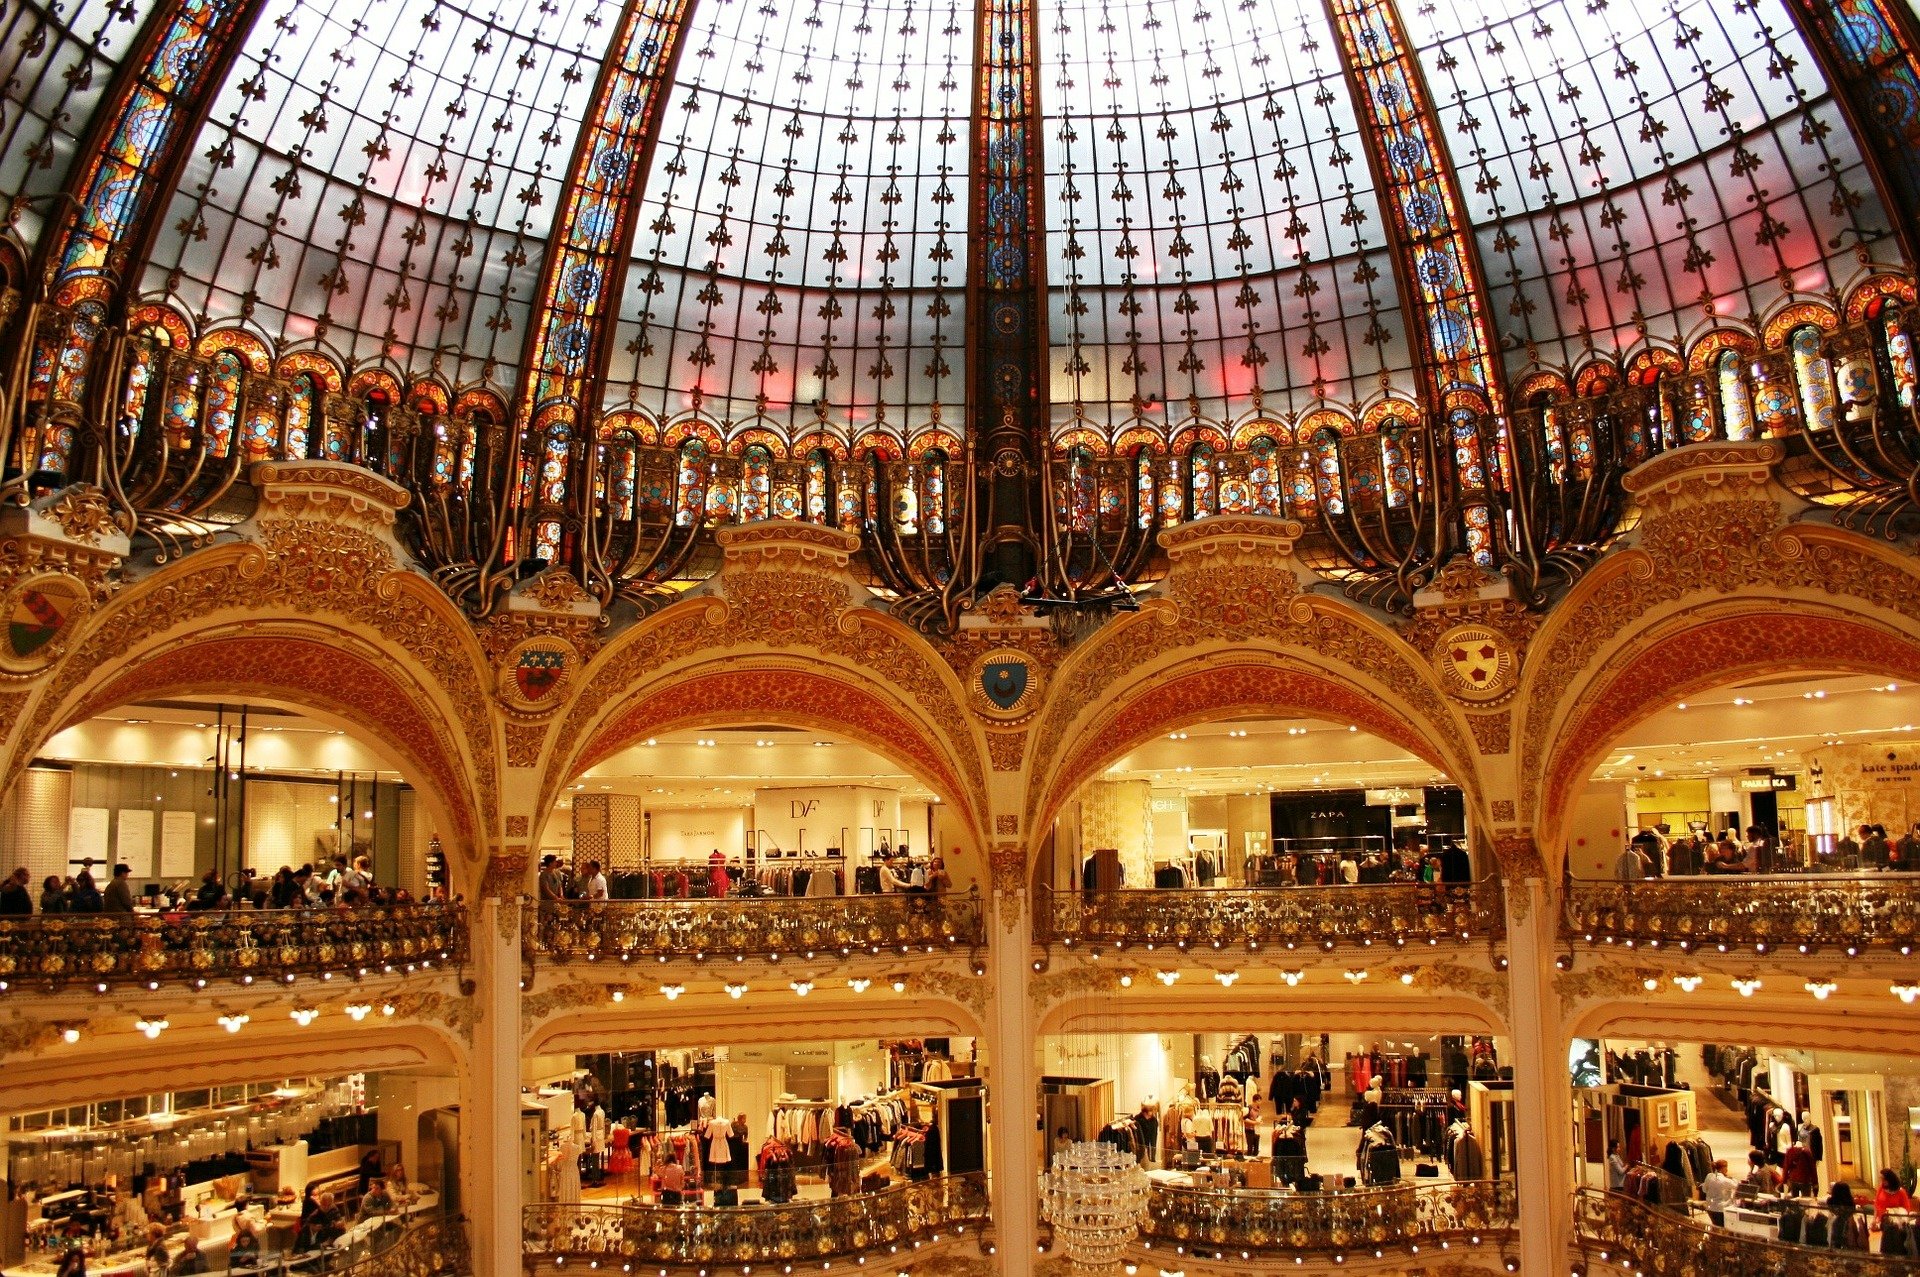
[762,1234]
[1775,913]
[435,1248]
[1628,1232]
[1275,917]
[1362,1221]
[242,945]
[757,926]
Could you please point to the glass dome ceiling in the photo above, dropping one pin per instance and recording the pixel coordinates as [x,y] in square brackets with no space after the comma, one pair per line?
[379,180]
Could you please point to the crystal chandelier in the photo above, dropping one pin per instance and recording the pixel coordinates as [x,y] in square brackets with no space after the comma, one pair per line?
[1095,1197]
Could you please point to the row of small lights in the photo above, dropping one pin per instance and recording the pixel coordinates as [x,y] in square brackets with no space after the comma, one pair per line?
[826,1265]
[1747,987]
[200,982]
[1379,1252]
[233,1021]
[1169,976]
[1686,946]
[737,989]
[1238,733]
[845,952]
[1366,942]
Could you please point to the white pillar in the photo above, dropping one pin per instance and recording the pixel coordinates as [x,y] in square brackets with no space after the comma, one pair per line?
[1542,1087]
[1015,1079]
[491,1160]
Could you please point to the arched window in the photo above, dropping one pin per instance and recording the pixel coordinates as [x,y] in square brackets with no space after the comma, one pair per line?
[1303,501]
[847,498]
[819,487]
[1736,414]
[1144,487]
[1173,492]
[469,437]
[1895,345]
[691,505]
[303,401]
[183,405]
[906,498]
[1469,459]
[756,484]
[223,402]
[1326,470]
[933,491]
[1205,484]
[141,360]
[1264,475]
[1552,436]
[620,474]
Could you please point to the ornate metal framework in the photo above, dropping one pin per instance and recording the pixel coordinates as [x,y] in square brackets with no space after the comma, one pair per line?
[1364,1222]
[1627,1229]
[758,927]
[1853,914]
[791,1233]
[54,951]
[1275,918]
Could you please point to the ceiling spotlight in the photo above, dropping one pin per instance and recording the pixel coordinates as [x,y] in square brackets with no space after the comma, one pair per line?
[899,983]
[1166,977]
[736,991]
[1226,977]
[1126,982]
[1905,992]
[619,995]
[1406,977]
[1687,982]
[1355,974]
[1821,988]
[672,991]
[801,988]
[387,1008]
[1746,987]
[1650,984]
[358,1011]
[232,1022]
[152,1028]
[304,1016]
[859,984]
[1293,977]
[71,1033]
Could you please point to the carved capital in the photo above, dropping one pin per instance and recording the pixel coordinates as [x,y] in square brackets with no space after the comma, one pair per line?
[1007,871]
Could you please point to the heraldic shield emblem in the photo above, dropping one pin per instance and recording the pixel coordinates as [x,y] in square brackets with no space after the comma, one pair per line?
[41,613]
[534,671]
[1005,685]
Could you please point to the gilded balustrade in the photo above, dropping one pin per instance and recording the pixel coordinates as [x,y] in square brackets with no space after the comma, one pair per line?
[1792,912]
[1361,1221]
[755,1234]
[1627,1232]
[434,1248]
[1275,917]
[244,945]
[757,926]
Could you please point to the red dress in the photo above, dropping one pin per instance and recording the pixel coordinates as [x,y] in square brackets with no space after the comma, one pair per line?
[717,881]
[620,1160]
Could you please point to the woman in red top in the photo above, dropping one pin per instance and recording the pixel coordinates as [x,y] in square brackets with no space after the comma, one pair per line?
[1892,1196]
[716,874]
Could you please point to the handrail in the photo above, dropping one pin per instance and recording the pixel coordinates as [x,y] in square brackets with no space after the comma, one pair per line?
[1282,917]
[1331,1222]
[756,926]
[1853,912]
[433,1248]
[1625,1228]
[800,1230]
[198,948]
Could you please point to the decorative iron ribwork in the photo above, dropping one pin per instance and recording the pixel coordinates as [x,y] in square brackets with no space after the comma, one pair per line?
[757,926]
[1631,1232]
[1275,918]
[1870,51]
[1851,913]
[227,945]
[1363,1220]
[132,158]
[763,1234]
[434,1248]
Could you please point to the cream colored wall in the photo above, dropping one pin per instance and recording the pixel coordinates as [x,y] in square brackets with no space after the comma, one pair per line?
[1143,1066]
[1115,813]
[1597,829]
[691,833]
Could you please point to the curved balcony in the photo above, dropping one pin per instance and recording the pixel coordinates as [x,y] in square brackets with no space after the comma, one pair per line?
[435,1248]
[1355,916]
[797,1231]
[52,951]
[1627,1232]
[1854,913]
[1366,1220]
[756,926]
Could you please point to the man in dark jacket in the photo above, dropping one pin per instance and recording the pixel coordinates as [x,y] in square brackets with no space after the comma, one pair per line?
[14,896]
[119,893]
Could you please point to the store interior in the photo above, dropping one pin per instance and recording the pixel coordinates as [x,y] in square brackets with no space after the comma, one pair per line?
[327,1169]
[1285,1111]
[1810,1119]
[1808,760]
[1261,802]
[752,1125]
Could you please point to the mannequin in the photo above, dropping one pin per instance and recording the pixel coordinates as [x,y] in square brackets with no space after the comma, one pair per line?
[1206,1078]
[565,1178]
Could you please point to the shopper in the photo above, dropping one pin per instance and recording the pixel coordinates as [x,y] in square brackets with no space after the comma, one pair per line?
[1906,852]
[1762,1176]
[14,896]
[1719,1188]
[83,896]
[596,889]
[1873,847]
[672,1182]
[717,881]
[119,894]
[210,892]
[1061,1141]
[1616,1168]
[190,1260]
[159,1260]
[1891,1195]
[359,879]
[73,1262]
[1631,865]
[1840,1212]
[938,879]
[53,895]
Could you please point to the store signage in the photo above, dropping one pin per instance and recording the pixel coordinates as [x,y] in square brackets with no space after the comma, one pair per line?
[802,807]
[1760,784]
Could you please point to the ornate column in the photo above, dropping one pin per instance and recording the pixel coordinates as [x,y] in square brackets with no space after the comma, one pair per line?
[1542,1087]
[491,1171]
[1015,1164]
